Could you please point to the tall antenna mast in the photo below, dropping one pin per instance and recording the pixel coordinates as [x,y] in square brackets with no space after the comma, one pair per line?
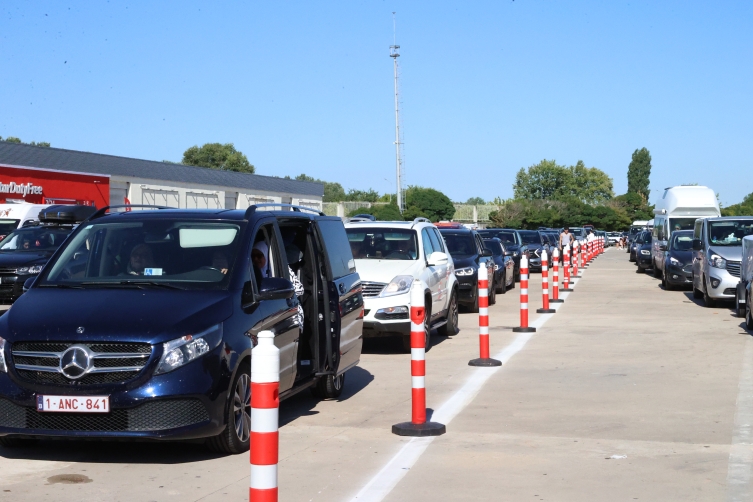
[394,54]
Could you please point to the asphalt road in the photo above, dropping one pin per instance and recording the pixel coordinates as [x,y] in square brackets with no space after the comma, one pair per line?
[628,393]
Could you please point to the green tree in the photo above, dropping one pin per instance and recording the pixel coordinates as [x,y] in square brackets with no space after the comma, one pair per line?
[589,184]
[13,139]
[475,201]
[369,195]
[333,192]
[428,203]
[744,208]
[636,207]
[218,156]
[382,212]
[545,180]
[639,172]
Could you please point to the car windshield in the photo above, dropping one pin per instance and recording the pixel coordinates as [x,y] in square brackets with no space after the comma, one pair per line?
[579,233]
[729,232]
[635,230]
[35,239]
[682,241]
[530,237]
[382,243]
[646,239]
[676,224]
[460,244]
[188,254]
[507,238]
[494,246]
[7,226]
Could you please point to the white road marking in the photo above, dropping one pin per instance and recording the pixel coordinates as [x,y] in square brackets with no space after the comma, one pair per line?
[386,479]
[741,451]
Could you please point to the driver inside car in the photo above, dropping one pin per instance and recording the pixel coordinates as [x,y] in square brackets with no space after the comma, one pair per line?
[141,258]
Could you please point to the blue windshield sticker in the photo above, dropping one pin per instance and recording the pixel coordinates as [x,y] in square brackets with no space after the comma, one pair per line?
[152,271]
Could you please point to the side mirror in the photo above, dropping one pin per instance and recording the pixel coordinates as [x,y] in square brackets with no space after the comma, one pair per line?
[486,253]
[275,288]
[697,245]
[437,258]
[28,282]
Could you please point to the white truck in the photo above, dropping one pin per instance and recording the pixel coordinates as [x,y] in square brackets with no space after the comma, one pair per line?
[13,216]
[677,209]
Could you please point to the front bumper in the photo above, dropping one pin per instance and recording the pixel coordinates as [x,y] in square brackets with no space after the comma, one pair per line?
[679,276]
[467,290]
[644,261]
[727,287]
[187,403]
[376,324]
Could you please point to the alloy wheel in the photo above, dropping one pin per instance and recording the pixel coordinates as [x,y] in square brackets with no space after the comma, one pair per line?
[242,408]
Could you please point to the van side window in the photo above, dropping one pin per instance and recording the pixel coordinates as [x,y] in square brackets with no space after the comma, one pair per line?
[697,229]
[265,254]
[336,242]
[428,246]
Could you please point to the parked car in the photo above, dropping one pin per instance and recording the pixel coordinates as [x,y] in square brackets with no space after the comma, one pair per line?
[633,245]
[504,266]
[467,249]
[533,244]
[389,257]
[678,261]
[745,289]
[580,234]
[718,246]
[13,216]
[613,238]
[141,325]
[643,252]
[510,240]
[603,235]
[24,252]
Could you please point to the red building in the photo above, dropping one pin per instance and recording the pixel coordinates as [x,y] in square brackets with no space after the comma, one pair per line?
[47,186]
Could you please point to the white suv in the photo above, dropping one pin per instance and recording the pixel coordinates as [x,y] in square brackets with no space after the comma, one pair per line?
[389,255]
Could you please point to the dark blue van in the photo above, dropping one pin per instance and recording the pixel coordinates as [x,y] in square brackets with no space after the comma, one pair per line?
[141,324]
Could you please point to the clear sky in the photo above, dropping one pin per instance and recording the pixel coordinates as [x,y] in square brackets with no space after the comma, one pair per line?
[488,87]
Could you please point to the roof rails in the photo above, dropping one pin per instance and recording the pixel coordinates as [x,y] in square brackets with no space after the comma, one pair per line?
[420,219]
[252,209]
[101,212]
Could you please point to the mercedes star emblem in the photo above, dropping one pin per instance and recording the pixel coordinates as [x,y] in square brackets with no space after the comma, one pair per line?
[75,362]
[80,330]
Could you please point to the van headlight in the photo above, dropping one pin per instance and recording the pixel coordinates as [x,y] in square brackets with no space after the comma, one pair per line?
[399,285]
[717,261]
[185,349]
[33,270]
[3,366]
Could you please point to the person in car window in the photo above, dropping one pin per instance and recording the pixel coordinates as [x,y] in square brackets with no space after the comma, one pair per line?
[141,258]
[259,260]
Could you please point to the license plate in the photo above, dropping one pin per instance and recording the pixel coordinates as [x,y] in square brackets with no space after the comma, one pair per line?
[68,404]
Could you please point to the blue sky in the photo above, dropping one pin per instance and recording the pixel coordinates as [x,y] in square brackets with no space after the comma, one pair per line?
[488,87]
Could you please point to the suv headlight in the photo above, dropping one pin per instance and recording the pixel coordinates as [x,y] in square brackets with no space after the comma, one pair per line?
[645,252]
[185,349]
[465,271]
[675,261]
[3,366]
[33,270]
[399,285]
[717,261]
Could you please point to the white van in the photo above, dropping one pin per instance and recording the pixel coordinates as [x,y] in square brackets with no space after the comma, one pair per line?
[13,216]
[678,209]
[745,288]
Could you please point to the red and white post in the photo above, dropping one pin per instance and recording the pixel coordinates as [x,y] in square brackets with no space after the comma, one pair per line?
[567,268]
[265,405]
[556,278]
[524,298]
[577,251]
[584,255]
[545,285]
[418,426]
[483,320]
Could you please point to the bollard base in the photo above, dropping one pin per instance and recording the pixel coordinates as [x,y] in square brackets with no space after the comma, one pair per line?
[546,311]
[419,430]
[485,361]
[558,300]
[567,290]
[524,330]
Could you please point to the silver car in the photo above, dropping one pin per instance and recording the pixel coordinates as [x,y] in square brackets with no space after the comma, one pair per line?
[717,246]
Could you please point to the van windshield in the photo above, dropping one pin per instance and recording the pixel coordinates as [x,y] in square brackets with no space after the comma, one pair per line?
[176,253]
[676,224]
[35,239]
[382,243]
[729,232]
[7,226]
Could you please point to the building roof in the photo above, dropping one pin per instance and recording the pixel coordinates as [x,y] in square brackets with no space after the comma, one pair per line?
[18,154]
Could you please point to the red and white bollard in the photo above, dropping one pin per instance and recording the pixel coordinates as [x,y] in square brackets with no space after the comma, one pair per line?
[584,255]
[545,285]
[265,405]
[556,278]
[418,426]
[577,253]
[483,320]
[567,268]
[524,298]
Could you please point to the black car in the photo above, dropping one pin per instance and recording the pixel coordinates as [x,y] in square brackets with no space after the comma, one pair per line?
[534,242]
[678,263]
[504,266]
[510,240]
[141,324]
[634,245]
[643,251]
[24,252]
[468,251]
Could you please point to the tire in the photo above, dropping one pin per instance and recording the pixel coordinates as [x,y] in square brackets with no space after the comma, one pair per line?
[329,387]
[474,308]
[427,334]
[451,328]
[708,302]
[664,282]
[503,288]
[492,294]
[657,272]
[11,442]
[748,316]
[236,436]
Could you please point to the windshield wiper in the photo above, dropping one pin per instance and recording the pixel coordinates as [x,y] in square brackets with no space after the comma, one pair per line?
[134,284]
[158,284]
[61,286]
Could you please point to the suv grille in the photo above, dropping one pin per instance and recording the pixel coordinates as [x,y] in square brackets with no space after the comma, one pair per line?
[371,289]
[8,270]
[153,416]
[39,362]
[733,267]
